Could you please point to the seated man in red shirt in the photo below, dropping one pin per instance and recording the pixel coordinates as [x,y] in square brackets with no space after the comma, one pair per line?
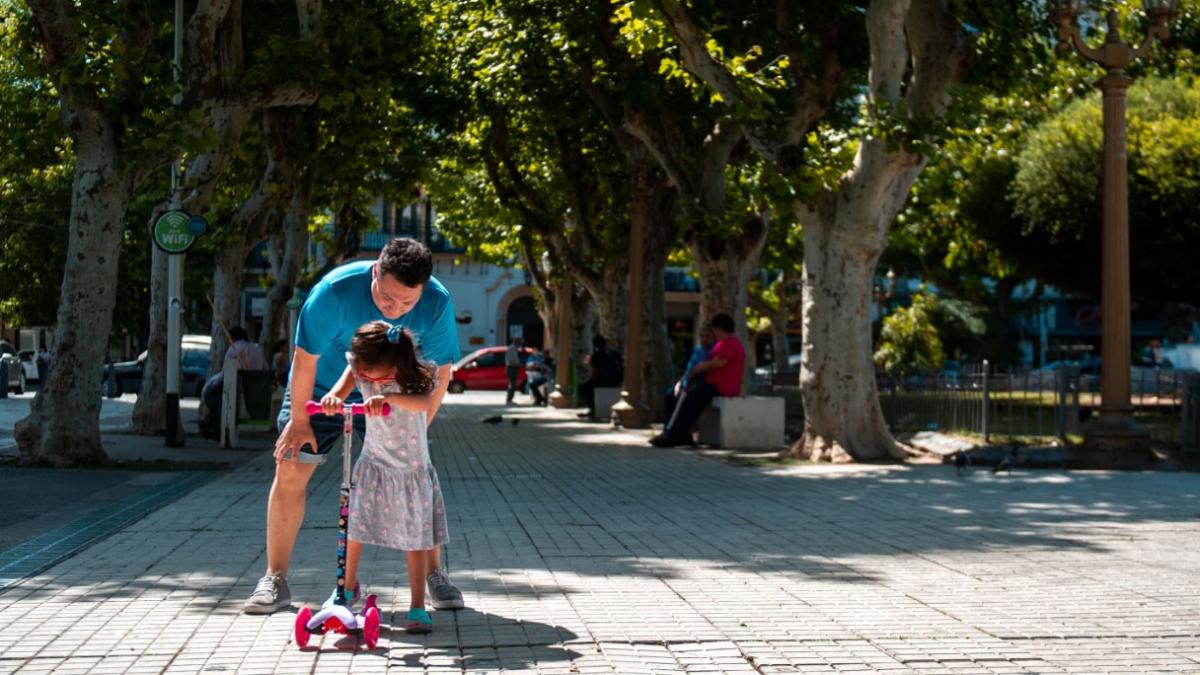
[722,375]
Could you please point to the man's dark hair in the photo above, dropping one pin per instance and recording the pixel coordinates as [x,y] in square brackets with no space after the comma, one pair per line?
[724,322]
[599,342]
[237,333]
[407,260]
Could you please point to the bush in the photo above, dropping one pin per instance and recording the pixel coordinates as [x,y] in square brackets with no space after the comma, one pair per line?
[908,340]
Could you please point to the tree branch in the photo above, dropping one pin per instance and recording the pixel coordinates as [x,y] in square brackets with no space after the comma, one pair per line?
[939,53]
[202,70]
[888,49]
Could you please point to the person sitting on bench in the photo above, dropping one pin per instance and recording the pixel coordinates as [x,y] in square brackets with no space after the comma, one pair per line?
[722,373]
[605,369]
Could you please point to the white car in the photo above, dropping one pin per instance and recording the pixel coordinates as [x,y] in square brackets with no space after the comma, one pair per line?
[16,374]
[28,359]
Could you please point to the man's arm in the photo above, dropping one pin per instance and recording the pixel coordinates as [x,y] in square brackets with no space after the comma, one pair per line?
[709,364]
[298,431]
[304,378]
[435,402]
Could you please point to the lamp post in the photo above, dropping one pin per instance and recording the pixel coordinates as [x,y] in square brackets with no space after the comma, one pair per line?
[1114,439]
[560,397]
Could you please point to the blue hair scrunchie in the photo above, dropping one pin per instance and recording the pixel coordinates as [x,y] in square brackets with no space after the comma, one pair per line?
[394,334]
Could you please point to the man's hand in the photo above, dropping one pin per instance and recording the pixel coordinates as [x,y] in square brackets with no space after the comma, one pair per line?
[374,405]
[295,435]
[332,405]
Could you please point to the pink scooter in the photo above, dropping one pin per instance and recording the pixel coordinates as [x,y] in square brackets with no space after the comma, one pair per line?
[338,617]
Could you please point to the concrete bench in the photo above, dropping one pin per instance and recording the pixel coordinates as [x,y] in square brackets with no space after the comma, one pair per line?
[247,401]
[743,423]
[606,398]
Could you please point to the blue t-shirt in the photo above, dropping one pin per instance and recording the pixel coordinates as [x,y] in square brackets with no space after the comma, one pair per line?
[341,302]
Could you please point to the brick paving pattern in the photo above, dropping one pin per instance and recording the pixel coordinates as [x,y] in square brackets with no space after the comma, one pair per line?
[582,550]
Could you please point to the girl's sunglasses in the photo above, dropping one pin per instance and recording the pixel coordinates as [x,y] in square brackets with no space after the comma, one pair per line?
[377,380]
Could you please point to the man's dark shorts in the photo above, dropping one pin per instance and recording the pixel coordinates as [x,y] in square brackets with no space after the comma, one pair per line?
[327,429]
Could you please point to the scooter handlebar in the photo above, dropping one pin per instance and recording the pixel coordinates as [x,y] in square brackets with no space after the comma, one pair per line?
[314,408]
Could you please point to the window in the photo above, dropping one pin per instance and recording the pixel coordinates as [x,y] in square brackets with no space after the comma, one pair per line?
[195,359]
[489,360]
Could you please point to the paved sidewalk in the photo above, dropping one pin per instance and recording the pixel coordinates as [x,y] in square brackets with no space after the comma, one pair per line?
[582,550]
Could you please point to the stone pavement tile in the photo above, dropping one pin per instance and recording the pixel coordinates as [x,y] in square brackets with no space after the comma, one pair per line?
[581,550]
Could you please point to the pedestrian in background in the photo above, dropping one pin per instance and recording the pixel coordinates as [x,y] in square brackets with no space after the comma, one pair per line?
[512,367]
[535,375]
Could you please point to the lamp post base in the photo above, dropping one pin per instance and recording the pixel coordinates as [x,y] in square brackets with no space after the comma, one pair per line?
[1114,441]
[558,399]
[631,413]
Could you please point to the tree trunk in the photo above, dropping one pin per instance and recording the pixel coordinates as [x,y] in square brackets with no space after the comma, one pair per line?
[660,207]
[293,247]
[150,409]
[726,266]
[227,293]
[612,304]
[843,238]
[63,426]
[584,324]
[780,318]
[657,374]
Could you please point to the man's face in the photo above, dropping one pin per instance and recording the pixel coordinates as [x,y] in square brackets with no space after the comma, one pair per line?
[392,297]
[706,338]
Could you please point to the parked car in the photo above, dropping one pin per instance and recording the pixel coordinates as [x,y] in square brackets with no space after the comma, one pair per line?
[16,374]
[483,370]
[28,359]
[792,367]
[193,359]
[772,376]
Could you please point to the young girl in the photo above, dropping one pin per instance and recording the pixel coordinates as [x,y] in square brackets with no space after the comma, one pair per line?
[396,501]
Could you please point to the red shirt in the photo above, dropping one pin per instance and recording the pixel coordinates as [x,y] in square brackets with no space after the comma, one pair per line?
[728,378]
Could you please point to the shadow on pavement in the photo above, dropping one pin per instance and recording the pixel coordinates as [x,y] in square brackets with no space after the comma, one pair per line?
[466,639]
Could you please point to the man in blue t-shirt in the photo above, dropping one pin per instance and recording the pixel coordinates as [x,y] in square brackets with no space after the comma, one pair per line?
[398,288]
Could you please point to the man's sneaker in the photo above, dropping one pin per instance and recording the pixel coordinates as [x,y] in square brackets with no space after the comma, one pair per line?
[269,596]
[442,593]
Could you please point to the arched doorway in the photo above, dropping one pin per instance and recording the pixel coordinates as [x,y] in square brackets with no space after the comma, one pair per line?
[522,319]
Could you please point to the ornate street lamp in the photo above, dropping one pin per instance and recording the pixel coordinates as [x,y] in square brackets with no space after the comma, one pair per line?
[1115,438]
[560,397]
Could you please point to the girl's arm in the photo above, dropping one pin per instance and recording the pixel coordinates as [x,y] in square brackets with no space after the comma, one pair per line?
[331,403]
[345,384]
[409,402]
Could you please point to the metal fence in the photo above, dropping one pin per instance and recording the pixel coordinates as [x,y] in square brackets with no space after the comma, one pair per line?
[1039,406]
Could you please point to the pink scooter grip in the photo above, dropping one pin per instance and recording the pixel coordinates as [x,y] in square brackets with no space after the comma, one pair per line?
[314,408]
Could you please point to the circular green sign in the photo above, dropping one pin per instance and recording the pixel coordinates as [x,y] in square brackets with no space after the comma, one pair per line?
[172,234]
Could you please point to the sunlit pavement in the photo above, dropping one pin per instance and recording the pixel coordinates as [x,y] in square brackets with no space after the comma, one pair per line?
[580,549]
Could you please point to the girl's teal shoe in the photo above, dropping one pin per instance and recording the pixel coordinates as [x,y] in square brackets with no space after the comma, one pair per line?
[349,597]
[419,622]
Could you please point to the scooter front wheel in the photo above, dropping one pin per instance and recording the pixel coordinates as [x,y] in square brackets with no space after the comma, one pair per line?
[302,632]
[370,629]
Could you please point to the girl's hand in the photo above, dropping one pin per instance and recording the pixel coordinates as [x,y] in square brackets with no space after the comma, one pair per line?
[332,405]
[374,405]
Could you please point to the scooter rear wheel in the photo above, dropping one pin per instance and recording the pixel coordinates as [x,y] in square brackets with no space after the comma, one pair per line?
[370,629]
[302,632]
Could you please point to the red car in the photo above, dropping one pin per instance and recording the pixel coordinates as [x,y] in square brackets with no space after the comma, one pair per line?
[484,370]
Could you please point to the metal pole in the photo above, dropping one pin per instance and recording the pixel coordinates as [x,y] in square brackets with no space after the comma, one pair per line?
[986,434]
[175,435]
